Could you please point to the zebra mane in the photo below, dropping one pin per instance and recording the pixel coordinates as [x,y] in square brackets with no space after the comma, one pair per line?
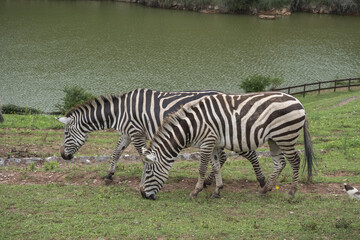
[89,102]
[171,119]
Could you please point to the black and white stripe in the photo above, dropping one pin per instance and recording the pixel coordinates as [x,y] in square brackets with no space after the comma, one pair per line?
[240,123]
[135,115]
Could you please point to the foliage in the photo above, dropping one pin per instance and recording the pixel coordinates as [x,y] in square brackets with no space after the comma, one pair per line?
[32,167]
[51,165]
[259,83]
[38,121]
[337,6]
[13,109]
[267,5]
[73,96]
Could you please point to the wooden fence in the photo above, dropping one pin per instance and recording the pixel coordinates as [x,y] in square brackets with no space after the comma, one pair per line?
[318,86]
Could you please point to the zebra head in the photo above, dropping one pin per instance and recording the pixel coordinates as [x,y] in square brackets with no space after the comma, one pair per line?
[74,138]
[154,175]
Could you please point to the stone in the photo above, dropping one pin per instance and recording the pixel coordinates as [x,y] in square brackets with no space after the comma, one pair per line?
[102,158]
[2,162]
[15,160]
[267,17]
[51,159]
[186,156]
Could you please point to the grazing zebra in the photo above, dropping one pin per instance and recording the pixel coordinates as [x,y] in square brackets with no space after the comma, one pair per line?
[240,123]
[135,115]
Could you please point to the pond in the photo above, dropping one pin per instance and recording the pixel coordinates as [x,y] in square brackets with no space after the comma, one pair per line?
[111,47]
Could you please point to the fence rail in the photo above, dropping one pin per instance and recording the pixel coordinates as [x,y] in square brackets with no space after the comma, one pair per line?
[318,86]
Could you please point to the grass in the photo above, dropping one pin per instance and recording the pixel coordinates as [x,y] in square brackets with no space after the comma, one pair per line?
[89,211]
[63,212]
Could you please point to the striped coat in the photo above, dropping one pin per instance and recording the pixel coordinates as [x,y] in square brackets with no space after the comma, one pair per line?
[240,123]
[136,115]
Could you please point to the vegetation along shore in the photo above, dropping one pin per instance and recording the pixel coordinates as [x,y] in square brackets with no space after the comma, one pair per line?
[258,7]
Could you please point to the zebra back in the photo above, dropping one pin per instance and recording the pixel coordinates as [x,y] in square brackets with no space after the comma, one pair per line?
[143,108]
[241,122]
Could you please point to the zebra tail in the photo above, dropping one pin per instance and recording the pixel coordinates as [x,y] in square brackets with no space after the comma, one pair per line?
[309,154]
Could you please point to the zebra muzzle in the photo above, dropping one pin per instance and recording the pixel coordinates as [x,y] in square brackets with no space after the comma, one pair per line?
[144,195]
[64,156]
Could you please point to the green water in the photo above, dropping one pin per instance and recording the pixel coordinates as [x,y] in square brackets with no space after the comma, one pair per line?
[110,47]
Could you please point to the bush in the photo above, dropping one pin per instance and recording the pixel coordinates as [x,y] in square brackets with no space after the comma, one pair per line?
[73,96]
[13,109]
[259,83]
[50,166]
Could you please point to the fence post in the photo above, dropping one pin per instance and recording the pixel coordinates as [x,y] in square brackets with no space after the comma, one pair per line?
[319,88]
[289,90]
[304,90]
[349,84]
[335,86]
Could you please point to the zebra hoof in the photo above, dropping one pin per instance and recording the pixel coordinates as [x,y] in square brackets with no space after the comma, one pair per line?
[262,192]
[193,195]
[108,181]
[262,182]
[215,195]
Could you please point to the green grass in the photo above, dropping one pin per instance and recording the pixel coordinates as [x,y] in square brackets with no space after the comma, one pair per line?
[38,121]
[63,211]
[72,212]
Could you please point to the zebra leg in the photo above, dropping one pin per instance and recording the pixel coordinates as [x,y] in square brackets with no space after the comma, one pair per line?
[279,164]
[216,169]
[294,160]
[139,142]
[120,147]
[205,158]
[253,158]
[220,154]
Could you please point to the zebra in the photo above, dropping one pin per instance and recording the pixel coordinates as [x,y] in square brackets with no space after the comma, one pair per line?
[136,115]
[240,123]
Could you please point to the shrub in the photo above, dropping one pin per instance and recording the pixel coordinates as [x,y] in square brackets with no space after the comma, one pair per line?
[73,96]
[1,117]
[13,109]
[50,166]
[259,83]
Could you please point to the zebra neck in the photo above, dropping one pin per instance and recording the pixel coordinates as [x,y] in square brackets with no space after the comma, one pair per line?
[100,114]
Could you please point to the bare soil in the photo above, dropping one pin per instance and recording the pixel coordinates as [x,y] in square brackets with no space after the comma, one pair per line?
[23,176]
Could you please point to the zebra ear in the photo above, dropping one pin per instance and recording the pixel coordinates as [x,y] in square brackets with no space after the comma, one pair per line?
[149,156]
[63,120]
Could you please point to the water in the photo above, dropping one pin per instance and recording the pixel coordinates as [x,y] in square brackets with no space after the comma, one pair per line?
[110,47]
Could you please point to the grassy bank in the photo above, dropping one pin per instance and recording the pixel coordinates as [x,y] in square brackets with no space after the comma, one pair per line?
[71,201]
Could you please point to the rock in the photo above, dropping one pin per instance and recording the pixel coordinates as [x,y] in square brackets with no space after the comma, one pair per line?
[31,160]
[130,157]
[102,158]
[267,17]
[14,160]
[185,156]
[2,162]
[52,159]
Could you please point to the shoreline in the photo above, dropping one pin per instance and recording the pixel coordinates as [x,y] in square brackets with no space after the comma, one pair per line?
[214,7]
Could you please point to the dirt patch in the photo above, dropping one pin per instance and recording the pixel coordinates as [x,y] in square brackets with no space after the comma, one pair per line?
[12,177]
[345,101]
